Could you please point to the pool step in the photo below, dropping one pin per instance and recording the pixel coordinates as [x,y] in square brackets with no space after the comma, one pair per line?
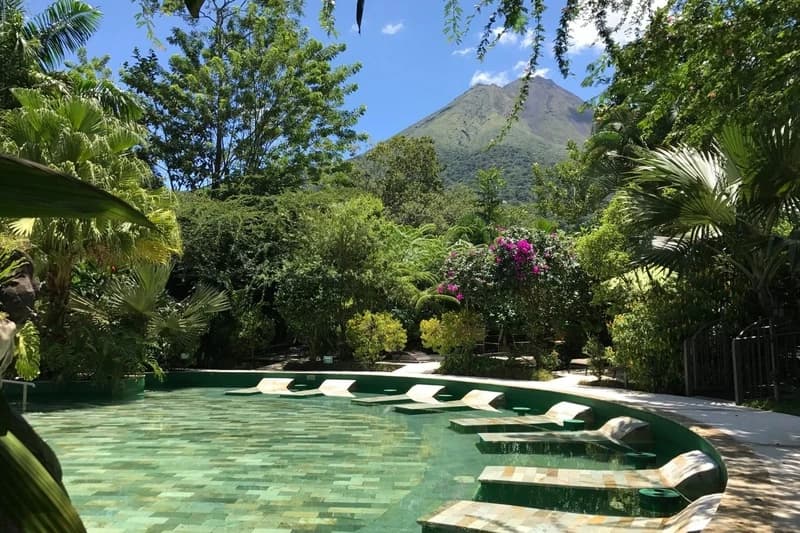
[694,473]
[467,516]
[552,419]
[621,432]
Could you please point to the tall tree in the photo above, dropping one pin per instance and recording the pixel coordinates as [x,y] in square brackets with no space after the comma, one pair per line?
[490,183]
[251,103]
[569,192]
[402,170]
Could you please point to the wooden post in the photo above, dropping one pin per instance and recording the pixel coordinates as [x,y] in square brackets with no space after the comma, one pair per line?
[687,372]
[738,393]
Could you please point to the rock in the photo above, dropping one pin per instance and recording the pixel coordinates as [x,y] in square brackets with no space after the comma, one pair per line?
[18,295]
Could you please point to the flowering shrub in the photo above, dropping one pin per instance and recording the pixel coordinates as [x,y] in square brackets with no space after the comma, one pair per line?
[370,334]
[518,259]
[526,282]
[469,275]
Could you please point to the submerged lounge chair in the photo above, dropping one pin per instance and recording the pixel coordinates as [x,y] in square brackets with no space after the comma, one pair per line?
[463,516]
[329,387]
[689,472]
[265,386]
[620,431]
[475,399]
[554,416]
[417,393]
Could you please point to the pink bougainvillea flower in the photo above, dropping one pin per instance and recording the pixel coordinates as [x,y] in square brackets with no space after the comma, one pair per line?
[452,287]
[440,289]
[459,296]
[536,269]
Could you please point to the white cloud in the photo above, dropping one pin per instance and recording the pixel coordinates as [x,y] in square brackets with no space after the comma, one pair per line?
[505,36]
[527,39]
[464,51]
[521,67]
[583,34]
[391,29]
[489,78]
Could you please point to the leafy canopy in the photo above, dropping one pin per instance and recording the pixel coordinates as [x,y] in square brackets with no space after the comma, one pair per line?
[251,103]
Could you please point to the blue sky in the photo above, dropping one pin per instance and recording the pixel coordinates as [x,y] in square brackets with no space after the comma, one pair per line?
[409,68]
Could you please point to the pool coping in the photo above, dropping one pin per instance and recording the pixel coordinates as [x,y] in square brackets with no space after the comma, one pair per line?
[750,500]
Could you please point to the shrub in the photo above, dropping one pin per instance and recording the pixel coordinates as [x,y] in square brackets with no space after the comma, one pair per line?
[455,333]
[370,334]
[465,364]
[549,360]
[598,363]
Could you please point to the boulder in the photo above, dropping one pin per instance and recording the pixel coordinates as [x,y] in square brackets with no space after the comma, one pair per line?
[18,294]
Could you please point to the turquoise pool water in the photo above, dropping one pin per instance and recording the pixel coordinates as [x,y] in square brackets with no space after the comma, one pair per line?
[196,460]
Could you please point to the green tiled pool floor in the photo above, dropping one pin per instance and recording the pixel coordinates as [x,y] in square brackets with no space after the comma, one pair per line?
[195,460]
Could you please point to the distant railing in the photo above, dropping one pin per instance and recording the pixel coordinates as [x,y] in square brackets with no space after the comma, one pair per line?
[761,361]
[707,362]
[25,385]
[766,360]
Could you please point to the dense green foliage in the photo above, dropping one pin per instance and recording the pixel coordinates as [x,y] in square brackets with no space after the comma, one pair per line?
[629,241]
[714,60]
[72,134]
[32,48]
[402,171]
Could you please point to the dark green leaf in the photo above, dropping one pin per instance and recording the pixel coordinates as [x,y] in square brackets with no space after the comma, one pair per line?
[33,190]
[359,13]
[194,7]
[29,496]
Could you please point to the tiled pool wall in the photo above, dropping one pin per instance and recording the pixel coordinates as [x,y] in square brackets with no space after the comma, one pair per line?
[670,437]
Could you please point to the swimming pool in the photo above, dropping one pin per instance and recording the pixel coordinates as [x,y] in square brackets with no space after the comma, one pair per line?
[193,459]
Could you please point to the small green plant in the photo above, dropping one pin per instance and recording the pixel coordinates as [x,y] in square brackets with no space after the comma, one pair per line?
[598,363]
[455,333]
[548,361]
[27,351]
[371,334]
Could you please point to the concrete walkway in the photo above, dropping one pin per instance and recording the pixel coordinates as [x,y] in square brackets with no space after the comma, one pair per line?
[763,458]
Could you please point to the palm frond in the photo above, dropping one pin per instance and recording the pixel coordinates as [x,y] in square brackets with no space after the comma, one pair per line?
[63,27]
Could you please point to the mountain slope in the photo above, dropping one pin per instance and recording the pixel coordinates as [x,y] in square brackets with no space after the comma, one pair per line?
[463,129]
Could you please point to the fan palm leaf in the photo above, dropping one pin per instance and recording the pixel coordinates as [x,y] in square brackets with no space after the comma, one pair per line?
[726,202]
